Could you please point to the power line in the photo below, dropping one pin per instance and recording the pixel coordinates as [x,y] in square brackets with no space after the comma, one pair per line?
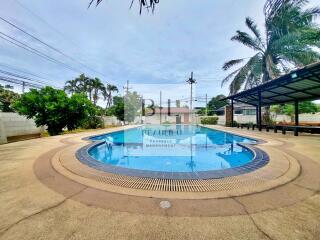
[23,71]
[35,51]
[23,77]
[48,45]
[19,82]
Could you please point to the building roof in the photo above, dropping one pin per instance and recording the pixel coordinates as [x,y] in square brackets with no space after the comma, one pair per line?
[299,85]
[238,106]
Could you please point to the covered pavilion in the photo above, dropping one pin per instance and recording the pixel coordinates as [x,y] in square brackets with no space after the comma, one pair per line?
[299,85]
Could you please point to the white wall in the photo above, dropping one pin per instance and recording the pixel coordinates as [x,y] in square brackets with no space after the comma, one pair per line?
[245,118]
[13,124]
[309,117]
[111,120]
[306,117]
[155,119]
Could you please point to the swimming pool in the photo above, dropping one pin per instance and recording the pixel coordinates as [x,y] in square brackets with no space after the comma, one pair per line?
[172,151]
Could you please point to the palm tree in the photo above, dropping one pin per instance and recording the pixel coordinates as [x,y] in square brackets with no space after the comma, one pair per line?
[71,86]
[88,83]
[108,93]
[292,40]
[83,83]
[97,87]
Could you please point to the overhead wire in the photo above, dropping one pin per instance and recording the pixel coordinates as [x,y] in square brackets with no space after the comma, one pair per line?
[48,45]
[20,44]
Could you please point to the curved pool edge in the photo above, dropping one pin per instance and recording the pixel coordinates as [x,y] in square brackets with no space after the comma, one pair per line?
[260,159]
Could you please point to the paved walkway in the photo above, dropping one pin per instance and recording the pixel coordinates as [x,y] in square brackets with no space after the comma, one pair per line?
[30,209]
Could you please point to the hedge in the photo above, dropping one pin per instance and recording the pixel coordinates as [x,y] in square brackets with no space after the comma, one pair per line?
[209,120]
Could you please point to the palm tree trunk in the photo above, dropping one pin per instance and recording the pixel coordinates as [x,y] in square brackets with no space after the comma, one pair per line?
[90,95]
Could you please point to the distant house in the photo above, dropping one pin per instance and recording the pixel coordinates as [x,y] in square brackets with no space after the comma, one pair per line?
[174,115]
[239,109]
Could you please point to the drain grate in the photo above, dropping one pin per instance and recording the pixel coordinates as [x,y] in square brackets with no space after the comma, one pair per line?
[250,180]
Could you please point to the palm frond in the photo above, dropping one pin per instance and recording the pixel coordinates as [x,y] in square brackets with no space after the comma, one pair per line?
[142,3]
[299,48]
[227,78]
[246,40]
[254,28]
[97,2]
[240,76]
[252,81]
[231,63]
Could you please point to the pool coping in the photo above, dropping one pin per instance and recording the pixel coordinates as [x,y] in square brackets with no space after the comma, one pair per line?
[260,159]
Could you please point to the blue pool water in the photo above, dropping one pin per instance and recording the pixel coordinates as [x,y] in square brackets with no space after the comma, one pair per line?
[172,148]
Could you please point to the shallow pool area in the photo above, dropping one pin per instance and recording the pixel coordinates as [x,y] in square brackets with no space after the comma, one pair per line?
[172,149]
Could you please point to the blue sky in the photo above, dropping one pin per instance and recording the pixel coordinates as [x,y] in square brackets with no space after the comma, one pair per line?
[120,45]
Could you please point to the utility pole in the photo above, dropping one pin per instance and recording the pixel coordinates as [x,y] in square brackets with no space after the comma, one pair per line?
[126,88]
[191,81]
[23,86]
[206,104]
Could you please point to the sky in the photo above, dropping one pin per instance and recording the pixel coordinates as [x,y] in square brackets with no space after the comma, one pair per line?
[117,44]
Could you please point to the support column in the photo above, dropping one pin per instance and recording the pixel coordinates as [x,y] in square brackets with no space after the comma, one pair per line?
[259,111]
[257,115]
[296,112]
[296,117]
[231,112]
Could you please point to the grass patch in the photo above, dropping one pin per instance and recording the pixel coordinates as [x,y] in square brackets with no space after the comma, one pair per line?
[79,130]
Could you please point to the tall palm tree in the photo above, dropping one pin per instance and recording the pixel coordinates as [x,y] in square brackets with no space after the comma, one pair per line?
[97,87]
[108,94]
[89,87]
[71,86]
[292,39]
[83,83]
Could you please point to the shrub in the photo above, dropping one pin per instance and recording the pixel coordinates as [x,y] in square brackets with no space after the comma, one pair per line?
[53,108]
[228,124]
[92,122]
[209,120]
[7,97]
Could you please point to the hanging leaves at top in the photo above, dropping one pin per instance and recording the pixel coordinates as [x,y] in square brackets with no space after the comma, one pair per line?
[148,4]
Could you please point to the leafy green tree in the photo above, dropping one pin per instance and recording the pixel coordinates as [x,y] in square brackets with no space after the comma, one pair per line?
[53,108]
[117,109]
[202,112]
[288,109]
[292,39]
[126,108]
[215,103]
[7,97]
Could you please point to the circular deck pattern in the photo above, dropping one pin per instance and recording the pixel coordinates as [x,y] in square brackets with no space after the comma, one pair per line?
[63,172]
[260,175]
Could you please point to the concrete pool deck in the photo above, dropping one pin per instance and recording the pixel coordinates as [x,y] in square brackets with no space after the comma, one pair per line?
[32,208]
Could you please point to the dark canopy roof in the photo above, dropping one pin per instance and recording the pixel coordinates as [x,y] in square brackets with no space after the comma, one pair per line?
[301,84]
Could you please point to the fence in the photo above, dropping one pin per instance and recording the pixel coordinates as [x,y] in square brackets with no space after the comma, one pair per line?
[14,125]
